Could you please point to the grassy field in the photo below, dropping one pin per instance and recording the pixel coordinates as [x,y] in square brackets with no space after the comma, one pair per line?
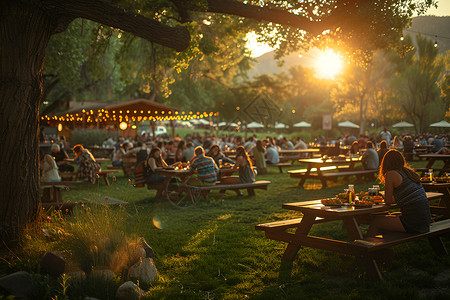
[212,250]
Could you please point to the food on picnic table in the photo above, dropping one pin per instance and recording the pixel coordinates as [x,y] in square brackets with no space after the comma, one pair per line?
[364,202]
[342,196]
[332,201]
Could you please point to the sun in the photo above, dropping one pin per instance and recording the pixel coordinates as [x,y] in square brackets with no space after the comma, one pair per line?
[328,64]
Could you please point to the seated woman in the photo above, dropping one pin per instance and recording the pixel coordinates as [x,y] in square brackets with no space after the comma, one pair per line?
[243,162]
[153,162]
[60,155]
[117,159]
[354,150]
[179,153]
[260,160]
[382,149]
[89,168]
[49,168]
[402,186]
[215,154]
[397,143]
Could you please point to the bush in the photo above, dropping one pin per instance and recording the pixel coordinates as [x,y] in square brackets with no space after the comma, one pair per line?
[91,137]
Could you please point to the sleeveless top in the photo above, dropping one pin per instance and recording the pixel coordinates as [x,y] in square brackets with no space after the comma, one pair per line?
[413,203]
[408,191]
[246,174]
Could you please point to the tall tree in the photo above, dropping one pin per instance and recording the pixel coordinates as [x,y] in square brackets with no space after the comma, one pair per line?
[415,87]
[361,89]
[27,25]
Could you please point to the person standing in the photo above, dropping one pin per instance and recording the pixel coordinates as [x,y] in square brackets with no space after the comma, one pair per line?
[385,135]
[258,155]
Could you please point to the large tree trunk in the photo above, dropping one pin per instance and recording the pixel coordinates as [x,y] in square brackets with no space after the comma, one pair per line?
[24,34]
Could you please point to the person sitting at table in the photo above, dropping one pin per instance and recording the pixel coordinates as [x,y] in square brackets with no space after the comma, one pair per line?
[437,144]
[117,159]
[217,155]
[382,149]
[272,155]
[370,159]
[188,152]
[402,186]
[154,161]
[244,164]
[179,152]
[48,167]
[258,155]
[397,143]
[89,168]
[354,150]
[207,169]
[60,157]
[334,151]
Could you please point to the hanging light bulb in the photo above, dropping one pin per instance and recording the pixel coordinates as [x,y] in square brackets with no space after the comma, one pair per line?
[435,44]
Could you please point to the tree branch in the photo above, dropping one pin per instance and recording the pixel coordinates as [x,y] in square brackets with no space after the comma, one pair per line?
[177,38]
[272,14]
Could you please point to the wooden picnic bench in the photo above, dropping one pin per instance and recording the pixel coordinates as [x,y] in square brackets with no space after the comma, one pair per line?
[316,168]
[52,195]
[250,187]
[105,175]
[280,165]
[365,248]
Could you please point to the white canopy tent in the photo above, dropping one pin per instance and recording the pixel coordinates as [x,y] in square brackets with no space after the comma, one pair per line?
[203,122]
[254,125]
[348,124]
[442,123]
[280,126]
[402,124]
[302,124]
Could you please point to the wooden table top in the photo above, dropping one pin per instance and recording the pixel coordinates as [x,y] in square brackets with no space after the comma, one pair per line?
[435,155]
[342,160]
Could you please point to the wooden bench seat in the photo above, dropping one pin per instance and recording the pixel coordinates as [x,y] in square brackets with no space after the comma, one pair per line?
[260,184]
[52,195]
[372,244]
[287,158]
[368,174]
[280,165]
[282,225]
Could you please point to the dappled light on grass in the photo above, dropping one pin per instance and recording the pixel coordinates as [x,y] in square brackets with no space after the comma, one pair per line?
[314,185]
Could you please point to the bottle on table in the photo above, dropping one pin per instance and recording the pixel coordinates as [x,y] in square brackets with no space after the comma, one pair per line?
[351,196]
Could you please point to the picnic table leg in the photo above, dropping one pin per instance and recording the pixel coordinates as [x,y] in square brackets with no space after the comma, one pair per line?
[322,178]
[430,163]
[281,169]
[303,228]
[302,181]
[251,192]
[106,179]
[352,227]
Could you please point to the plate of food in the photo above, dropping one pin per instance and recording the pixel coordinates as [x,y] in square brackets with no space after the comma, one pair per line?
[332,202]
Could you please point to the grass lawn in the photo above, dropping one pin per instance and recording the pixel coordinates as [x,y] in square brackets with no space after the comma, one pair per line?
[212,250]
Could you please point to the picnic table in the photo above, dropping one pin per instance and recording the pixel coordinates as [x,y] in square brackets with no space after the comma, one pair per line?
[316,166]
[52,194]
[182,195]
[444,205]
[433,157]
[315,212]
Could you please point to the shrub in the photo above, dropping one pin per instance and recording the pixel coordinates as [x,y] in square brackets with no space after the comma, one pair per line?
[91,137]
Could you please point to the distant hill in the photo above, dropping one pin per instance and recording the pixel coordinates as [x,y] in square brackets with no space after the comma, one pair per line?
[435,28]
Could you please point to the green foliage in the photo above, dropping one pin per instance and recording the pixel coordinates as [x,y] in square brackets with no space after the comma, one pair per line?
[91,137]
[415,86]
